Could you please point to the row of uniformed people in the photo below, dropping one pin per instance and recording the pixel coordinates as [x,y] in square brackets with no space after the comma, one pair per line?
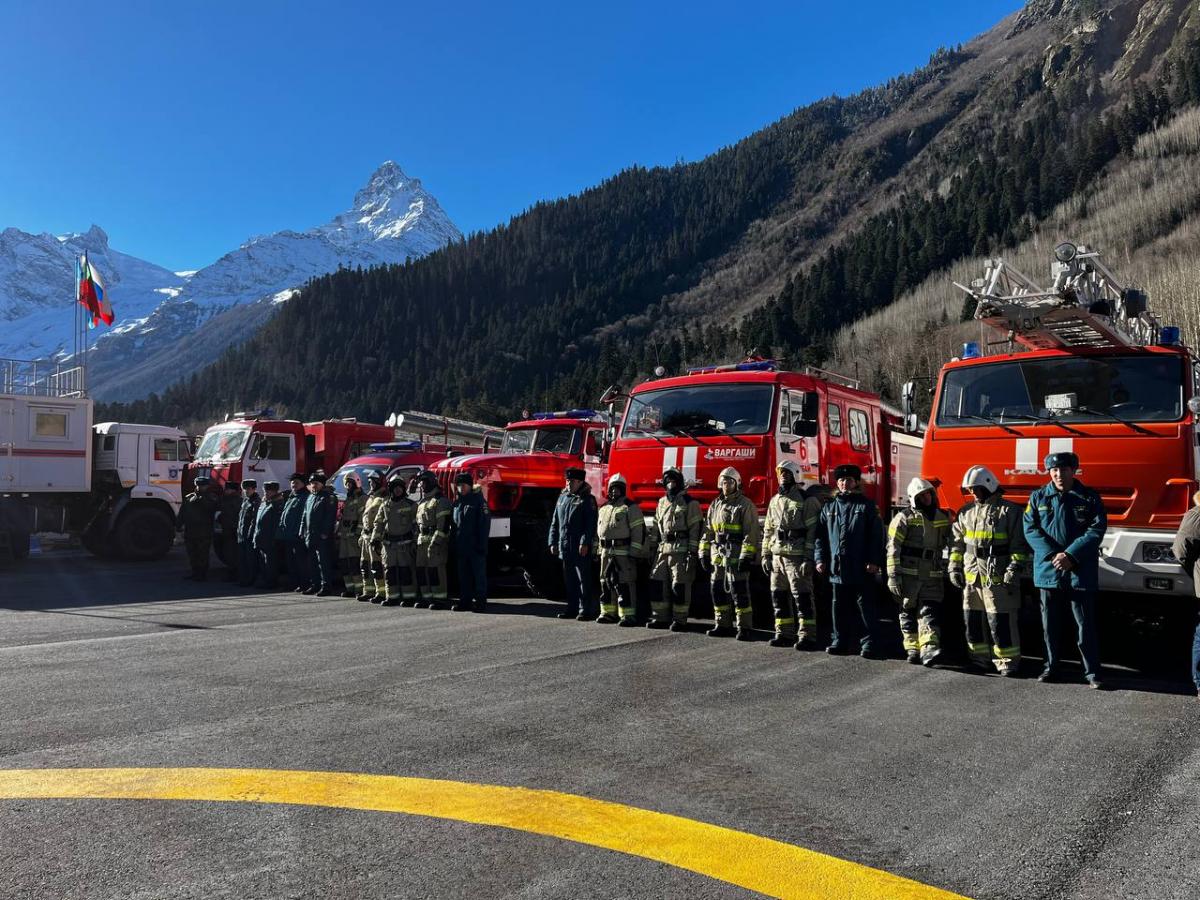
[842,537]
[395,549]
[294,526]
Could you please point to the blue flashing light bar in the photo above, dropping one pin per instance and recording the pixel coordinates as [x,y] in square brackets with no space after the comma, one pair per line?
[566,414]
[750,365]
[971,350]
[396,446]
[1170,336]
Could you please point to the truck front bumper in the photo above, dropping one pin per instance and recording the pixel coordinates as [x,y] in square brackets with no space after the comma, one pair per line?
[1126,567]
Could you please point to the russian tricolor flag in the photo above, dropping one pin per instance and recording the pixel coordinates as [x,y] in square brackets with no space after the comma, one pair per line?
[91,293]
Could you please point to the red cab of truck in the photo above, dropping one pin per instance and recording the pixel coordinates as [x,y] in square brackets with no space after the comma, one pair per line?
[1082,367]
[521,484]
[751,416]
[266,449]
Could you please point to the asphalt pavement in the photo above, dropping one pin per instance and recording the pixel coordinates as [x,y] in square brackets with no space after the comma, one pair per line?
[987,787]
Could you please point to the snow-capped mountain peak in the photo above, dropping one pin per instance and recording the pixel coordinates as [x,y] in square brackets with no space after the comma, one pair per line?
[388,206]
[168,323]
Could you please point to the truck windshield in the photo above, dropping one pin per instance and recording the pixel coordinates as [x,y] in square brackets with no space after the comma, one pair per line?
[541,440]
[709,409]
[222,445]
[1079,389]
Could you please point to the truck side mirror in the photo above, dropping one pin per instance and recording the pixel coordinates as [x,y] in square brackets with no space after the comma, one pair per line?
[812,402]
[804,427]
[908,405]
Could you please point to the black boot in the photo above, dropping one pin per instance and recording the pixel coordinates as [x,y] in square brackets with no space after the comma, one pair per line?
[657,624]
[720,631]
[679,626]
[782,640]
[745,634]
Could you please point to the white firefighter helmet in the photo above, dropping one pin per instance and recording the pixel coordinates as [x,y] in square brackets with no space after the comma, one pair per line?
[790,465]
[917,487]
[730,472]
[981,476]
[617,478]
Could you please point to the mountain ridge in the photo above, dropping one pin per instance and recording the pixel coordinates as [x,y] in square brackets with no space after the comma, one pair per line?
[776,242]
[392,219]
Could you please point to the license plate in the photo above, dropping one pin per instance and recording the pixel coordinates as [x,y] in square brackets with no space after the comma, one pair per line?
[1160,584]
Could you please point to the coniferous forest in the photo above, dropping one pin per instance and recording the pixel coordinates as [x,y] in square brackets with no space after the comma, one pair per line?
[582,292]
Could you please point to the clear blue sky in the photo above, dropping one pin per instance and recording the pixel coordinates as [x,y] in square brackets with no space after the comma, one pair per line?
[184,127]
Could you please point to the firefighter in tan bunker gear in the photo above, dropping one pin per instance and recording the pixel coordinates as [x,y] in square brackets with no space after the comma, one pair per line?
[621,534]
[787,559]
[989,556]
[370,547]
[395,524]
[349,537]
[916,539]
[434,515]
[727,551]
[678,523]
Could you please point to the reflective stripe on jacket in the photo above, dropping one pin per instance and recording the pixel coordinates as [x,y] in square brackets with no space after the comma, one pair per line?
[791,527]
[731,531]
[989,541]
[621,529]
[915,543]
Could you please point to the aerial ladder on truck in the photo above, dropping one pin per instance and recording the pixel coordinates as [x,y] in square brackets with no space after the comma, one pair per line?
[1087,307]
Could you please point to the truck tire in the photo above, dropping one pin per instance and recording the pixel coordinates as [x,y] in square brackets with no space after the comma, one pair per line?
[544,579]
[99,545]
[20,544]
[144,533]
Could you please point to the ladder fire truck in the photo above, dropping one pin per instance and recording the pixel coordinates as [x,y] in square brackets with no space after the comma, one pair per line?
[1082,366]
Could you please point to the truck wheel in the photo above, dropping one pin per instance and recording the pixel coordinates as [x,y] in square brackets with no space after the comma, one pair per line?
[99,545]
[545,579]
[143,534]
[20,544]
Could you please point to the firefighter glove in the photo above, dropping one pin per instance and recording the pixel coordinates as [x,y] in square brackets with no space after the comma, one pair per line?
[706,563]
[806,569]
[766,563]
[1010,576]
[895,588]
[958,580]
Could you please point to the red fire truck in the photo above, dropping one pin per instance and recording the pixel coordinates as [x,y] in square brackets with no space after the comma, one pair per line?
[752,415]
[522,482]
[1082,367]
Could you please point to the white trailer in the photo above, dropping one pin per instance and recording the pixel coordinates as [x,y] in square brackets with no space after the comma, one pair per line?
[118,486]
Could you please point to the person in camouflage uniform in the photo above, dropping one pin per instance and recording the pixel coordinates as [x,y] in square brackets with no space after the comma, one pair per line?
[621,535]
[916,540]
[727,552]
[350,537]
[434,516]
[789,536]
[678,523]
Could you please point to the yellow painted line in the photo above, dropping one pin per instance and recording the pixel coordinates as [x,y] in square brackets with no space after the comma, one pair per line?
[757,863]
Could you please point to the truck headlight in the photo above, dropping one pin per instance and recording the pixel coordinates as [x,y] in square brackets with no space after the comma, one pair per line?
[1157,553]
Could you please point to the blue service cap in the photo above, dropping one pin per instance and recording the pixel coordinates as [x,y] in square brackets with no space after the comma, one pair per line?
[1061,459]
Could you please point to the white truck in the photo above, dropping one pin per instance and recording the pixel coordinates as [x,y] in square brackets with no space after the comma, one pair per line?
[115,485]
